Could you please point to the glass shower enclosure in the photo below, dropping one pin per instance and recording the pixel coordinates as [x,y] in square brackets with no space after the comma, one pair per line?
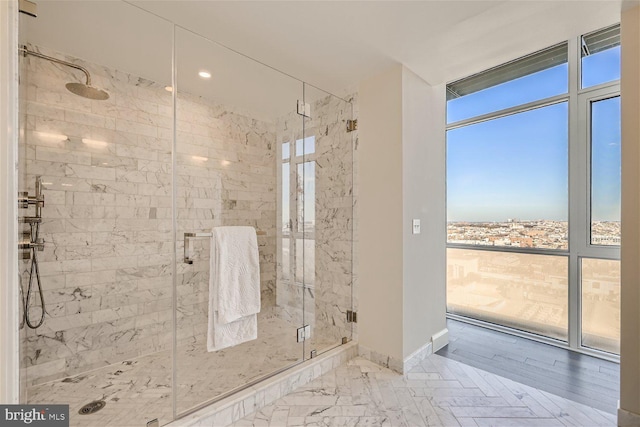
[163,136]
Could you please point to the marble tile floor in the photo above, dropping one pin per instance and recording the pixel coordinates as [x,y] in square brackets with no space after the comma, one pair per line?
[438,392]
[139,390]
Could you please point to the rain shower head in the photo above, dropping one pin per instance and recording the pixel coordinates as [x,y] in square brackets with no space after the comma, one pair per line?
[85,90]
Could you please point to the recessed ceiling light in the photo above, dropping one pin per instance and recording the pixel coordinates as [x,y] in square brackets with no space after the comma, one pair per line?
[204,74]
[168,88]
[200,158]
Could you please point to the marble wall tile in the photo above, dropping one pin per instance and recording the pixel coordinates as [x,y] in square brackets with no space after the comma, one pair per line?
[108,260]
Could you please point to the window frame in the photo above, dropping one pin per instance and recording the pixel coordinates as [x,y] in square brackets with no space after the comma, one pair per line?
[293,234]
[579,197]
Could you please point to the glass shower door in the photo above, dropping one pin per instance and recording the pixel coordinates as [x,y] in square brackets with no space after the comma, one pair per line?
[324,219]
[232,117]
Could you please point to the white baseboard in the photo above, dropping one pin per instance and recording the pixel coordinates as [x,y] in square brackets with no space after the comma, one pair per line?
[628,419]
[440,339]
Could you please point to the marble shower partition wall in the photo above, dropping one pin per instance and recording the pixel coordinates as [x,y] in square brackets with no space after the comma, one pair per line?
[106,168]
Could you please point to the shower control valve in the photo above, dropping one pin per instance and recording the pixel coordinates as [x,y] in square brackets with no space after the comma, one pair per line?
[24,200]
[27,244]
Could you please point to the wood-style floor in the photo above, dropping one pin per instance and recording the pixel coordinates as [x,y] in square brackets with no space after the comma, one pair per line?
[583,379]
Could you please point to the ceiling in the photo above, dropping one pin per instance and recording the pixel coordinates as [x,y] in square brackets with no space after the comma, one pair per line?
[330,44]
[334,44]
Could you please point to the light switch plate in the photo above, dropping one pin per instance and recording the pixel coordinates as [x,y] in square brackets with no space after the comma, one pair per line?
[416,226]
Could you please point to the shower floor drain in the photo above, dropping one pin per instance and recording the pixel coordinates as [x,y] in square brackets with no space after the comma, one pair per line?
[92,407]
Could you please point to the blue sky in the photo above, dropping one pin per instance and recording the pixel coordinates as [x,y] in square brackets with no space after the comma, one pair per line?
[516,166]
[605,166]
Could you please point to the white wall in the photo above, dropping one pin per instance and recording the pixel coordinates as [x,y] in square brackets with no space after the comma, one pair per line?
[402,177]
[423,188]
[630,248]
[380,265]
[9,356]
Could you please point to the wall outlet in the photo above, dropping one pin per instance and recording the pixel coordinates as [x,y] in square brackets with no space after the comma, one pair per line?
[416,226]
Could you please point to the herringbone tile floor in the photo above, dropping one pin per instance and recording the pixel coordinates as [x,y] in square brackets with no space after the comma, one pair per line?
[439,392]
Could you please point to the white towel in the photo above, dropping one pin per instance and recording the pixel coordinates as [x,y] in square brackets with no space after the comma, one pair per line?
[231,334]
[234,287]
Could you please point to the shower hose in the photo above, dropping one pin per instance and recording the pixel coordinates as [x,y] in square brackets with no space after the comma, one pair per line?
[35,231]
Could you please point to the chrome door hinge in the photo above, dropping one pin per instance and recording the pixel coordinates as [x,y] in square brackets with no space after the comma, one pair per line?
[28,8]
[352,125]
[352,316]
[304,332]
[304,109]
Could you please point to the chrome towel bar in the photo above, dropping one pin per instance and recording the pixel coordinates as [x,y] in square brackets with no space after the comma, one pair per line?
[189,236]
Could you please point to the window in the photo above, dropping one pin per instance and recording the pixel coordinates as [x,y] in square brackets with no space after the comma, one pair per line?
[605,171]
[507,180]
[601,304]
[533,194]
[298,211]
[600,56]
[522,291]
[541,75]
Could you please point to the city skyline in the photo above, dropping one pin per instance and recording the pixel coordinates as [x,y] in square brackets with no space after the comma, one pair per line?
[542,234]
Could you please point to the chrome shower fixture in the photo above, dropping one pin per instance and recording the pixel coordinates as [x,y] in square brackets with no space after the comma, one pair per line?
[24,200]
[32,243]
[85,90]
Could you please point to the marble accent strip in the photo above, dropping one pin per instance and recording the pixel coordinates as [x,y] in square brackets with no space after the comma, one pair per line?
[417,356]
[381,359]
[628,418]
[245,402]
